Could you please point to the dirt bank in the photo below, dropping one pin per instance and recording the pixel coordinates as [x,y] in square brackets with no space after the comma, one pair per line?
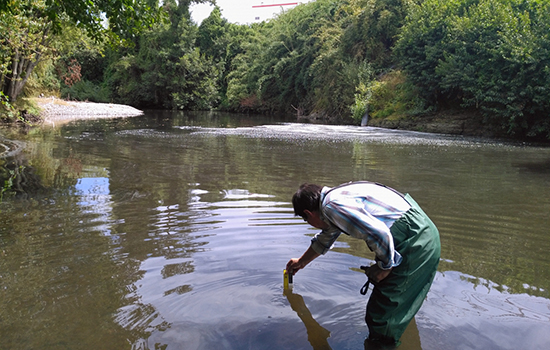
[454,123]
[466,124]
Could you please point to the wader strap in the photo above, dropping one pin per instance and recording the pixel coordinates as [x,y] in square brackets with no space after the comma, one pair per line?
[365,288]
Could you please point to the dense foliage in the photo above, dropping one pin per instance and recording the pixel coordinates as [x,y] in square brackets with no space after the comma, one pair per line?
[491,55]
[340,59]
[165,69]
[313,58]
[29,29]
[25,38]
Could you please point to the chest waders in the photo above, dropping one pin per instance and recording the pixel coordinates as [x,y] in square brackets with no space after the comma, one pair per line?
[397,298]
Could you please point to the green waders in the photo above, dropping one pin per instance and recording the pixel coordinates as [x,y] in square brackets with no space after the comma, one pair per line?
[397,298]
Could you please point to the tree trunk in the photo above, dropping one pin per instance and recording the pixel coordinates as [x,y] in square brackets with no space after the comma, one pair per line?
[22,69]
[25,66]
[13,76]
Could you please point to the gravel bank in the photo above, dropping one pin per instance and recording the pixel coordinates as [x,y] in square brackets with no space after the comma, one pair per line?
[56,111]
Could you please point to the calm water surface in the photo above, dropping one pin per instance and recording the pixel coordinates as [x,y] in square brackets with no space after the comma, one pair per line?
[171,231]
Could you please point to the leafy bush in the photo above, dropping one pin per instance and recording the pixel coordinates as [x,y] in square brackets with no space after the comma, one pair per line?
[394,96]
[310,58]
[492,55]
[85,90]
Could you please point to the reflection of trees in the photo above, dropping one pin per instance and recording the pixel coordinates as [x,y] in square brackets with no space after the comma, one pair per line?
[18,178]
[61,278]
[37,167]
[49,295]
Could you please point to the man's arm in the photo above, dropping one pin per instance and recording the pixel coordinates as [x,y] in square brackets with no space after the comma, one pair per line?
[297,264]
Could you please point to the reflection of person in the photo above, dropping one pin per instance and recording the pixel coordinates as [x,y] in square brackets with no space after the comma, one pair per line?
[405,242]
[316,334]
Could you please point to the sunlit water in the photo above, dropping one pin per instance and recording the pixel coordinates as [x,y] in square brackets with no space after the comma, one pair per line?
[172,232]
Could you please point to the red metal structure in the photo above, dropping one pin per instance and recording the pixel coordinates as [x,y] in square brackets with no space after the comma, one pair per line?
[271,5]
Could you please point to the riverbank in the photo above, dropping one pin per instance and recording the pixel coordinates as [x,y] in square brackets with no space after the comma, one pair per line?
[55,111]
[454,123]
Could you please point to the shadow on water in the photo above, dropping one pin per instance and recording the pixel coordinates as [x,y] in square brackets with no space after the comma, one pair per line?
[539,167]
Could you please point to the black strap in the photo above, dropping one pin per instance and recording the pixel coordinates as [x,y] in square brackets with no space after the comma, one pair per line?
[365,288]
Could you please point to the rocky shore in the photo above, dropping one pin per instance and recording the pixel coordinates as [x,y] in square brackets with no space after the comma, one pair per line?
[55,111]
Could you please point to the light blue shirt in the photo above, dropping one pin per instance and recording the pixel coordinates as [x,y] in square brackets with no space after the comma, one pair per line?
[362,210]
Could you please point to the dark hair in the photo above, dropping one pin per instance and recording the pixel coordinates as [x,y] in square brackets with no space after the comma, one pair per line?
[307,197]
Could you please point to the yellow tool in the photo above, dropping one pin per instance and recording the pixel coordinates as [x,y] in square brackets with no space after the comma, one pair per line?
[287,280]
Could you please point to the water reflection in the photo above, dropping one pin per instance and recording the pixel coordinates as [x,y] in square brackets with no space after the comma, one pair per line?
[169,231]
[316,334]
[409,340]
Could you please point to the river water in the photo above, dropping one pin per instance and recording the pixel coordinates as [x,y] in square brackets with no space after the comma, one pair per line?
[172,230]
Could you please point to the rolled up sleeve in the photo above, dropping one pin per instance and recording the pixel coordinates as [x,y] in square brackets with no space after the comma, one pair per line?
[324,240]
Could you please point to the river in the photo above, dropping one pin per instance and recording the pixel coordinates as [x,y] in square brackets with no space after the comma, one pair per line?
[171,231]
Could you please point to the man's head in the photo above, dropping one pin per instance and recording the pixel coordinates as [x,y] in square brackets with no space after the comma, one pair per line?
[307,197]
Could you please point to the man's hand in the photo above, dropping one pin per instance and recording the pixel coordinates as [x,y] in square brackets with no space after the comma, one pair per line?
[375,273]
[297,264]
[294,265]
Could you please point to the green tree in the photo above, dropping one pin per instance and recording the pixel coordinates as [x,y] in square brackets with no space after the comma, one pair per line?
[276,69]
[211,35]
[24,40]
[124,17]
[28,27]
[165,69]
[241,93]
[312,58]
[222,41]
[490,55]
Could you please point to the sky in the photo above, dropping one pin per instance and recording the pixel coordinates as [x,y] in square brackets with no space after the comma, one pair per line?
[241,11]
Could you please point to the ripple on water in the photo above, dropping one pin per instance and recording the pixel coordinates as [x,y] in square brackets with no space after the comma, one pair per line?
[481,316]
[9,148]
[343,133]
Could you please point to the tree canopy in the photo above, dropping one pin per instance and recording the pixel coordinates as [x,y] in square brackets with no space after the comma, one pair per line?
[124,17]
[29,26]
[487,55]
[338,58]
